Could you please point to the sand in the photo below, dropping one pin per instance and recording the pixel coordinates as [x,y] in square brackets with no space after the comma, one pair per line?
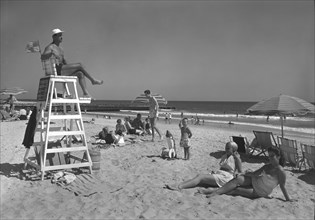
[134,177]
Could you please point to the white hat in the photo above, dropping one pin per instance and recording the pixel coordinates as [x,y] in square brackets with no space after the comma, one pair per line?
[56,31]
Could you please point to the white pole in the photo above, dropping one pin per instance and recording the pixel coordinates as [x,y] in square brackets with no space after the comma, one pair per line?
[281,119]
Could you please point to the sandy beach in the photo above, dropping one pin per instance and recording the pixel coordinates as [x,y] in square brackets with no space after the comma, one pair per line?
[133,177]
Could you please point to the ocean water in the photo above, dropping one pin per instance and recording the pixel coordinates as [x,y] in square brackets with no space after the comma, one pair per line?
[211,107]
[223,112]
[192,106]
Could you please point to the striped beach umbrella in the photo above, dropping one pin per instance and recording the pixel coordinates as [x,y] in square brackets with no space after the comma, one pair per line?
[282,105]
[12,91]
[143,99]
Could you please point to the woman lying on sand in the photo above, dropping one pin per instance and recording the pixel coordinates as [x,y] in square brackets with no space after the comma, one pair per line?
[230,163]
[259,183]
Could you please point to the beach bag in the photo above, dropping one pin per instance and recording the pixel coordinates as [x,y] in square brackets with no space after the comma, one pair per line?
[169,151]
[121,140]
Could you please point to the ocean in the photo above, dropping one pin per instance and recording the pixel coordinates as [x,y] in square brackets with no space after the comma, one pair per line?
[211,112]
[221,112]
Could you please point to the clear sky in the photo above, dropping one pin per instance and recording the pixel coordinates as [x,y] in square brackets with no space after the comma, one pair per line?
[185,50]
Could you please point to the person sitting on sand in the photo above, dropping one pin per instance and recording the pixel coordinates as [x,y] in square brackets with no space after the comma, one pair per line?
[137,123]
[11,101]
[130,129]
[229,165]
[22,114]
[109,136]
[67,69]
[147,127]
[120,128]
[259,183]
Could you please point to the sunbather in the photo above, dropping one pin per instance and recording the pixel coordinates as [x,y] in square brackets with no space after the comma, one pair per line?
[130,129]
[229,165]
[120,128]
[109,136]
[259,183]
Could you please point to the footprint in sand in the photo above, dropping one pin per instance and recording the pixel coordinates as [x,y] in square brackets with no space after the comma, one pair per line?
[115,162]
[50,190]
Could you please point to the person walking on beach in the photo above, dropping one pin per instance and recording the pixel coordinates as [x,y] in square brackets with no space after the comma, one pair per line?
[67,69]
[185,136]
[153,113]
[230,164]
[259,183]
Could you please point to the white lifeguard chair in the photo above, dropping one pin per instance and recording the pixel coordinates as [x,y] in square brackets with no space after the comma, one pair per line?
[54,147]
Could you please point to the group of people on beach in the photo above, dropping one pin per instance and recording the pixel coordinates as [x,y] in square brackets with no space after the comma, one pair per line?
[134,127]
[9,113]
[229,179]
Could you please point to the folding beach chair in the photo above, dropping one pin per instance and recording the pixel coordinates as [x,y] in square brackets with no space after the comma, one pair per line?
[264,140]
[308,152]
[241,142]
[290,152]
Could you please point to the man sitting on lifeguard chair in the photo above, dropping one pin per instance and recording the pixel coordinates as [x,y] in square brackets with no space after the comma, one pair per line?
[65,69]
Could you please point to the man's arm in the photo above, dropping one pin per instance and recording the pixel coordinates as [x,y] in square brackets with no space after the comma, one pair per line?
[238,162]
[282,180]
[156,104]
[47,53]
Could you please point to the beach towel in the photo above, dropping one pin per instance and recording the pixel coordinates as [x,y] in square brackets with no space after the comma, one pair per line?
[30,130]
[84,185]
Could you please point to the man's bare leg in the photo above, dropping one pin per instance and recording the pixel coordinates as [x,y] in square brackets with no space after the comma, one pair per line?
[82,82]
[240,180]
[69,69]
[159,133]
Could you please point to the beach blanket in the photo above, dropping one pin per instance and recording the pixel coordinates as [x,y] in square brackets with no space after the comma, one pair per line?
[84,185]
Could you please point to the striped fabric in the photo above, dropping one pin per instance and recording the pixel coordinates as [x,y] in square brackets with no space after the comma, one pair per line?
[282,105]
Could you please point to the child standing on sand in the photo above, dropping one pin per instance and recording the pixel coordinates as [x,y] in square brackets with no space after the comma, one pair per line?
[185,136]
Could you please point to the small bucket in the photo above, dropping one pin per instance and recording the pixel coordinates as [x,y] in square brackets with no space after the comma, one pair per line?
[96,159]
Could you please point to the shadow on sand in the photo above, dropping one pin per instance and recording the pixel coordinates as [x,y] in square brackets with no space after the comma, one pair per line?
[307,176]
[244,157]
[11,170]
[159,156]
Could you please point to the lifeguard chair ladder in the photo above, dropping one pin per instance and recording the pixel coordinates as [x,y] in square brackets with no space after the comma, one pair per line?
[59,126]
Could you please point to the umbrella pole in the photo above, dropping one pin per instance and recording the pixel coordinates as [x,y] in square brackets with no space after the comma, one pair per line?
[281,120]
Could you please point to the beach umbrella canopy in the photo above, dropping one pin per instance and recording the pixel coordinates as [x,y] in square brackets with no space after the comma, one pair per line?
[12,91]
[282,105]
[143,99]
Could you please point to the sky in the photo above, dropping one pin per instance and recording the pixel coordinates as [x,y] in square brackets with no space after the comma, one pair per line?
[228,50]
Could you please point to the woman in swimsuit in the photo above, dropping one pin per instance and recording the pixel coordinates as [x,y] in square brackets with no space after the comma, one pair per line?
[229,165]
[259,183]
